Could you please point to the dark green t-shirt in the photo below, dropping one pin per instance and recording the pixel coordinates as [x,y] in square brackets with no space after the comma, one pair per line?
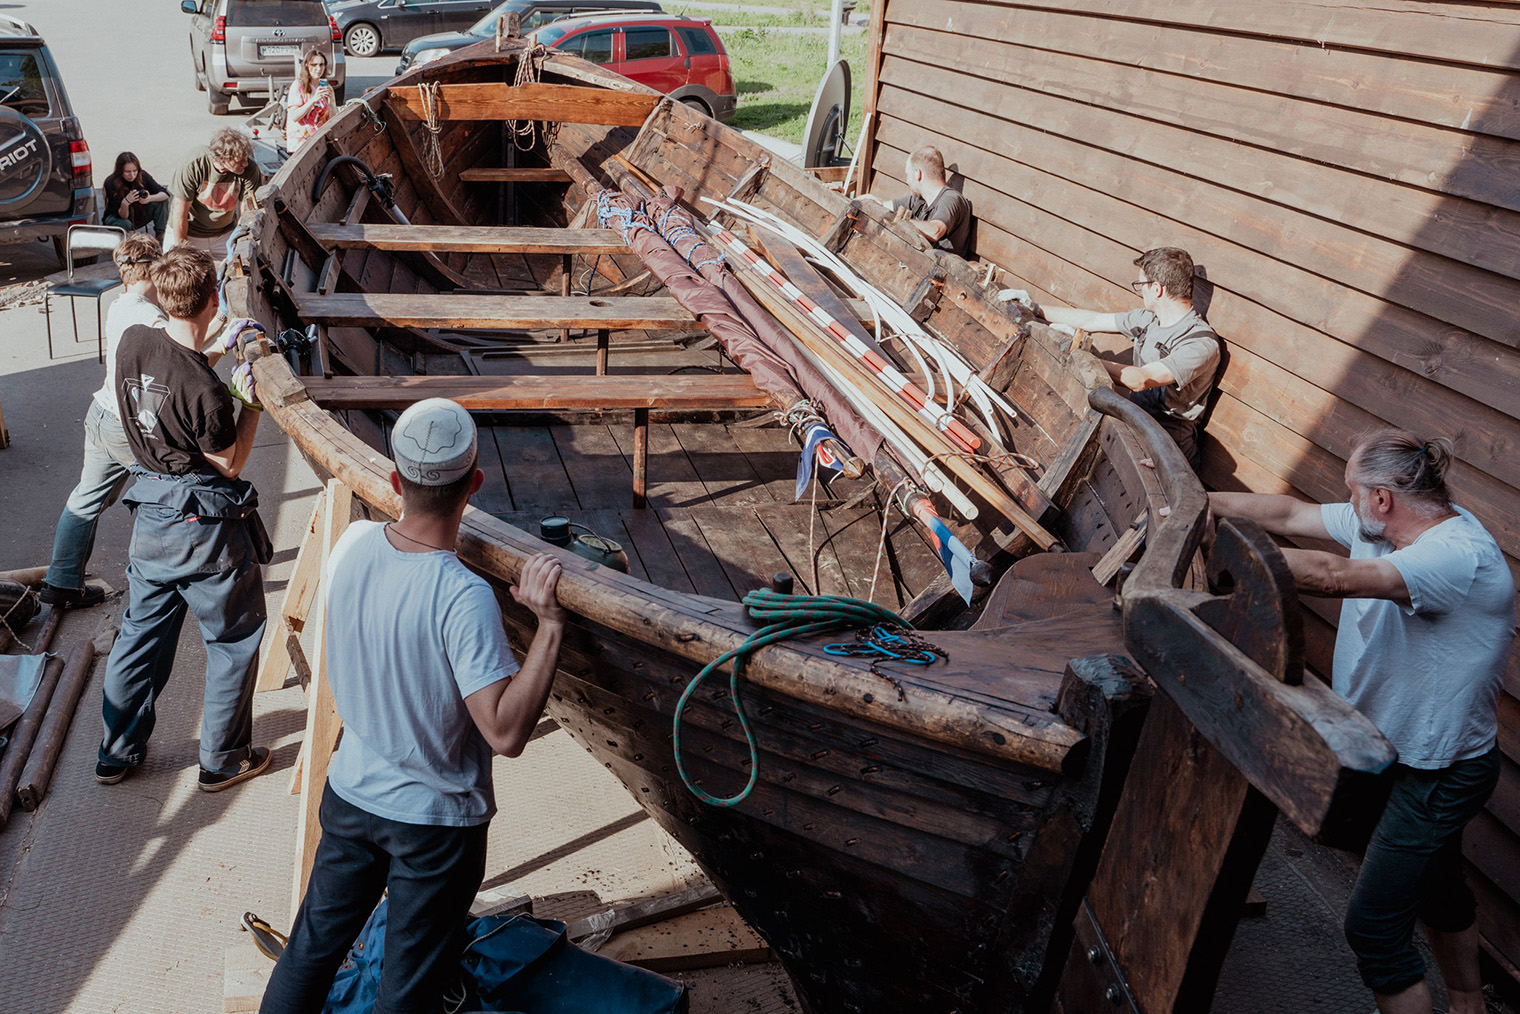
[213,195]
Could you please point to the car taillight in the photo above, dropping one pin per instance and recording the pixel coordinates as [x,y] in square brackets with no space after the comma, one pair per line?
[332,25]
[219,31]
[79,158]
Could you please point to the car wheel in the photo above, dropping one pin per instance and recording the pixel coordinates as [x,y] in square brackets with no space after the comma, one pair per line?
[362,40]
[218,102]
[698,105]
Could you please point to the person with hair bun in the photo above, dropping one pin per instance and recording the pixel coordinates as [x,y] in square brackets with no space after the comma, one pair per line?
[1425,633]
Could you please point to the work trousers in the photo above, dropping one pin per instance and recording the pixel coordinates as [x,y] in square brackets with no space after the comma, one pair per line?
[1184,434]
[157,216]
[107,456]
[432,874]
[205,566]
[1413,869]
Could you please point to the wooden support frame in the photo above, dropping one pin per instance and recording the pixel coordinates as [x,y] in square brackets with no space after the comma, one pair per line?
[322,721]
[534,393]
[516,174]
[486,312]
[467,239]
[553,103]
[276,657]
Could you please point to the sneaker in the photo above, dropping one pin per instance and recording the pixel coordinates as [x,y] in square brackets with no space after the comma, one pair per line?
[254,764]
[109,774]
[73,598]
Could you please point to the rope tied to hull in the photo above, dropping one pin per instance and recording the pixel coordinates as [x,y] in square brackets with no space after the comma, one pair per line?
[431,93]
[529,68]
[785,617]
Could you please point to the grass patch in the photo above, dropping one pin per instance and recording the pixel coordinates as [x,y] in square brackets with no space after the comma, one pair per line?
[777,73]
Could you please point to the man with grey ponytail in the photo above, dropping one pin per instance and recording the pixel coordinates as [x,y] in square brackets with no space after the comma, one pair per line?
[1424,637]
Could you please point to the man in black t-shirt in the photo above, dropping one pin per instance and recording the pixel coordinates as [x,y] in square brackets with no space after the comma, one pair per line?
[197,542]
[941,214]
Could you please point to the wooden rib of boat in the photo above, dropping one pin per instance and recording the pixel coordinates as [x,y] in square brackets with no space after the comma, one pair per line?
[918,838]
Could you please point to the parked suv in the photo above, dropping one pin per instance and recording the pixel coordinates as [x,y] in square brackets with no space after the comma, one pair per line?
[680,56]
[46,178]
[249,48]
[531,14]
[370,26]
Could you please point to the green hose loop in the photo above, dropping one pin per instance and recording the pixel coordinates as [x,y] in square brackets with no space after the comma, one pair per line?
[785,617]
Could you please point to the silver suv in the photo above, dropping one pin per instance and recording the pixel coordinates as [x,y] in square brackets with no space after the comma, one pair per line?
[250,47]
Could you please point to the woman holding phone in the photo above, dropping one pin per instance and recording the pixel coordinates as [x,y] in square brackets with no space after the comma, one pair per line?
[133,199]
[309,102]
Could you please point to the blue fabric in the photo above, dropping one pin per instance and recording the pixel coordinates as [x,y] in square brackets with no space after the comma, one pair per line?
[104,474]
[179,564]
[431,874]
[812,450]
[1413,869]
[517,963]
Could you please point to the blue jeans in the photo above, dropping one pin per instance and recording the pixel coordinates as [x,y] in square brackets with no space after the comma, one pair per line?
[432,874]
[158,214]
[107,457]
[206,567]
[1413,869]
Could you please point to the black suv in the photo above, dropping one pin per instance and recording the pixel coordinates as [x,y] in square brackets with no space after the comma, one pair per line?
[46,179]
[531,13]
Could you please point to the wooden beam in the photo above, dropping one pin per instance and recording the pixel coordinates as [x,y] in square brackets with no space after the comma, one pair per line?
[537,393]
[547,102]
[495,312]
[467,239]
[525,174]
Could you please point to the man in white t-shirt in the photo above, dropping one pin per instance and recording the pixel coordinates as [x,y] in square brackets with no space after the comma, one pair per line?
[106,454]
[428,690]
[1175,353]
[1424,638]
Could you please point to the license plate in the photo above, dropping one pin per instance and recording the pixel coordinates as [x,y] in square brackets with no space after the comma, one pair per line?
[278,50]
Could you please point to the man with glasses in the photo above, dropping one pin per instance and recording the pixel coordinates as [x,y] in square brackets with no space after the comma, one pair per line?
[1176,354]
[208,189]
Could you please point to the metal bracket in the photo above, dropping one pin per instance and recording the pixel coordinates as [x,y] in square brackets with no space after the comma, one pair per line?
[1105,971]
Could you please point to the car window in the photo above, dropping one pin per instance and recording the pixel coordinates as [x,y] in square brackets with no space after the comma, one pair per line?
[486,26]
[698,42]
[21,85]
[549,34]
[595,47]
[533,20]
[259,13]
[647,42]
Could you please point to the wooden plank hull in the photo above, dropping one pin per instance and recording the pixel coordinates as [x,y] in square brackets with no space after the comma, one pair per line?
[915,844]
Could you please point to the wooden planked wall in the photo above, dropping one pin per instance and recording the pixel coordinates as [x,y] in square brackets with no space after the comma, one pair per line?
[1347,176]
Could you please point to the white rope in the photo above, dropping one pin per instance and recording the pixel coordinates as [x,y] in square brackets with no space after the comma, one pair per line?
[432,153]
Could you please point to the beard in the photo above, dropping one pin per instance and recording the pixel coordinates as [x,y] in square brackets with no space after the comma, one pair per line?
[1370,530]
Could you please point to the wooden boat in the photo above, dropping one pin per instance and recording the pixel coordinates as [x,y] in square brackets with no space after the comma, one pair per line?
[919,838]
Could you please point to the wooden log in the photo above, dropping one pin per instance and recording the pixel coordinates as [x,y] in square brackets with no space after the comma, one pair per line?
[534,392]
[72,681]
[544,102]
[514,313]
[24,733]
[525,174]
[467,239]
[25,575]
[275,658]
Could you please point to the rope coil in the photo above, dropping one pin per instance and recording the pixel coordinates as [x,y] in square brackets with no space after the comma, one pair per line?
[784,617]
[431,93]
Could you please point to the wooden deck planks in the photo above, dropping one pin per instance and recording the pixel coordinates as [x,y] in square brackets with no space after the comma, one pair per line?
[468,239]
[453,310]
[725,470]
[534,471]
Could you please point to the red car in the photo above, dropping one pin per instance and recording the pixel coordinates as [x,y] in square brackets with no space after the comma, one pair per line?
[680,56]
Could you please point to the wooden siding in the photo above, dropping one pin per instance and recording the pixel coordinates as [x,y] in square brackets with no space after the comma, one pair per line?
[1347,178]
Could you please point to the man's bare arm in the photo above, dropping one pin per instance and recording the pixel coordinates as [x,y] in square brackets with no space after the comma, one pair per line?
[1319,573]
[507,711]
[179,224]
[231,461]
[933,228]
[1087,320]
[1280,515]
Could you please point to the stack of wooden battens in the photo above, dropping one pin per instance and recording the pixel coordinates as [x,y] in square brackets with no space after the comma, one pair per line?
[1342,173]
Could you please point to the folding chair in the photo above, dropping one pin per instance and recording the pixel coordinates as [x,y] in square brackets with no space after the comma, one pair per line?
[101,239]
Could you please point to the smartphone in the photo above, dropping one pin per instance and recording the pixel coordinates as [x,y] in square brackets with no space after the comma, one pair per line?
[322,83]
